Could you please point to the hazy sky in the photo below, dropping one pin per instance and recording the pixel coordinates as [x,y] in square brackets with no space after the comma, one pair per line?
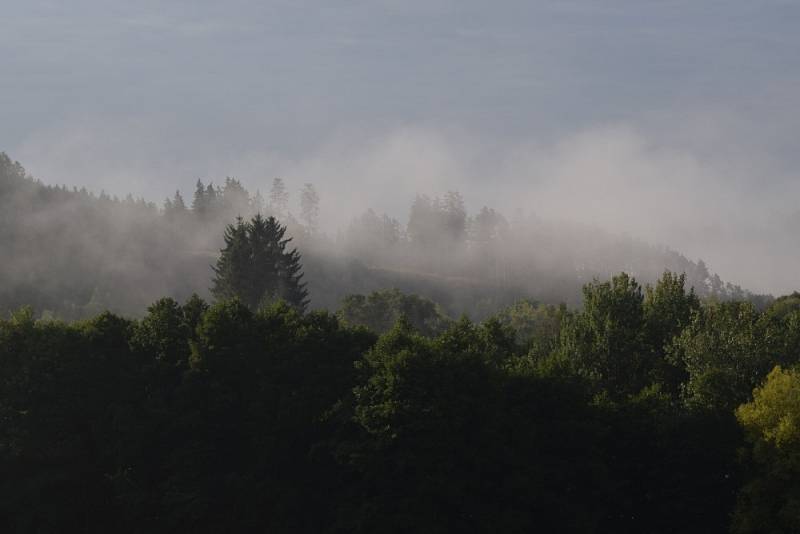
[675,121]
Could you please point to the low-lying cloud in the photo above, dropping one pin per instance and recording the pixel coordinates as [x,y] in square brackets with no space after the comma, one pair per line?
[619,177]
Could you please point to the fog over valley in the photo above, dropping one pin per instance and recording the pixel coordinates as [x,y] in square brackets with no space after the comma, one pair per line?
[702,201]
[667,122]
[392,266]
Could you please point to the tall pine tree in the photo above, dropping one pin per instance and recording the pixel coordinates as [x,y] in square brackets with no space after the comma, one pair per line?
[256,267]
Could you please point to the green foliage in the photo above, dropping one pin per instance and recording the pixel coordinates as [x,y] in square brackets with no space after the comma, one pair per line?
[668,310]
[250,415]
[255,266]
[770,501]
[380,310]
[164,332]
[781,327]
[107,427]
[67,396]
[606,339]
[725,355]
[784,306]
[215,418]
[537,326]
[446,440]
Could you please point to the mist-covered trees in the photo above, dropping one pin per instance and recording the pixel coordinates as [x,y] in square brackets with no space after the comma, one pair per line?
[255,266]
[632,409]
[76,253]
[536,326]
[309,208]
[279,198]
[380,310]
[438,222]
[372,237]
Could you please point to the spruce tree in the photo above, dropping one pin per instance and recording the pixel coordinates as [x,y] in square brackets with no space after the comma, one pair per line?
[213,196]
[177,202]
[200,201]
[233,270]
[174,208]
[256,267]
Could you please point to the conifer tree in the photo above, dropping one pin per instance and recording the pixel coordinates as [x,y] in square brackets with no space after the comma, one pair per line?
[235,199]
[309,208]
[257,203]
[174,208]
[177,202]
[213,195]
[199,202]
[256,267]
[233,269]
[279,198]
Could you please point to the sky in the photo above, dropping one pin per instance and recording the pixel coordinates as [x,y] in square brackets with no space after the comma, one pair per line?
[672,121]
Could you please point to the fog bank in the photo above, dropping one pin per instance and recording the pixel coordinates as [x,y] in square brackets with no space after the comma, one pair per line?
[670,188]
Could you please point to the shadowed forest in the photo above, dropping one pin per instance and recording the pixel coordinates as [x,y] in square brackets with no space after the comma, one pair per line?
[225,364]
[400,267]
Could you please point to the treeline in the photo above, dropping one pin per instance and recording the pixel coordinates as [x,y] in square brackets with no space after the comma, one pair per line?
[633,413]
[71,253]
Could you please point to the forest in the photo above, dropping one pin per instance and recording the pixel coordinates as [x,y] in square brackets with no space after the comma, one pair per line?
[645,410]
[227,366]
[75,253]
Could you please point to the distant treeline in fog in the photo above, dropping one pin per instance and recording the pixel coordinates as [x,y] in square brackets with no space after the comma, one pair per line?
[72,253]
[570,401]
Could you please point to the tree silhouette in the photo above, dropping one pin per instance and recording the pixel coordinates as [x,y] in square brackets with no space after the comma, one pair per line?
[256,267]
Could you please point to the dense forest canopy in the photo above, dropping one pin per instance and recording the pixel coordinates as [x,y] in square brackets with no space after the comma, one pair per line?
[399,267]
[643,410]
[72,253]
[664,406]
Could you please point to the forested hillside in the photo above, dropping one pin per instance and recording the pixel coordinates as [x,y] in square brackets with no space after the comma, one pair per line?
[72,253]
[564,400]
[634,413]
[399,267]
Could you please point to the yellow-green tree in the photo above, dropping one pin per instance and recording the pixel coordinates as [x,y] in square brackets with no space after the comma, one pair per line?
[770,501]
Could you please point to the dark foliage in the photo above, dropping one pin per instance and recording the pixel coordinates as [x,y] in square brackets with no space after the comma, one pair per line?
[255,266]
[222,418]
[673,407]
